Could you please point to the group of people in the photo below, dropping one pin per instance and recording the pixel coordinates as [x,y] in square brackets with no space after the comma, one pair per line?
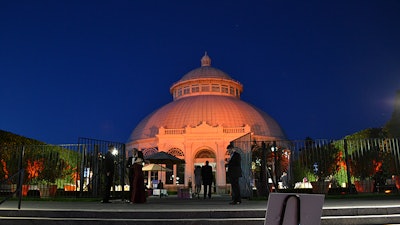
[136,177]
[202,174]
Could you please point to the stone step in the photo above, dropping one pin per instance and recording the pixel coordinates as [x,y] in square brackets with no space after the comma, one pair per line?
[173,210]
[330,217]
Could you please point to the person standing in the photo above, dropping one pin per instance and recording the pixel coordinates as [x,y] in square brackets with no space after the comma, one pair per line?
[284,180]
[131,174]
[108,173]
[207,178]
[139,192]
[197,180]
[234,173]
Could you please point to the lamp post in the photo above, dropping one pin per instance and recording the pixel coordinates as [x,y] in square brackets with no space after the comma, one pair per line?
[114,152]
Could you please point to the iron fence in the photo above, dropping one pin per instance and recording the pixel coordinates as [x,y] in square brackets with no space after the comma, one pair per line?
[75,170]
[71,170]
[284,165]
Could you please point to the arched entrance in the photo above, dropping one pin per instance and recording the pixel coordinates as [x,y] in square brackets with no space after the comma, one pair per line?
[200,159]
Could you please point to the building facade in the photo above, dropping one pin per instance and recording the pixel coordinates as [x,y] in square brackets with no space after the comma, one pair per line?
[206,114]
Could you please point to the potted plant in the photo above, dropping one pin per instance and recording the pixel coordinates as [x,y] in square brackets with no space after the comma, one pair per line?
[43,171]
[70,177]
[370,167]
[31,179]
[8,167]
[324,162]
[52,170]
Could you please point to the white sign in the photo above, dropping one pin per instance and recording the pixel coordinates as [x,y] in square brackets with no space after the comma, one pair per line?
[294,208]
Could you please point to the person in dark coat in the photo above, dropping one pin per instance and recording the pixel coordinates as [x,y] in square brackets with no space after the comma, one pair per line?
[139,192]
[108,174]
[131,174]
[207,178]
[234,173]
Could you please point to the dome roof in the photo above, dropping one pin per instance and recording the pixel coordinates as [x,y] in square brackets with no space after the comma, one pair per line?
[209,95]
[214,110]
[205,72]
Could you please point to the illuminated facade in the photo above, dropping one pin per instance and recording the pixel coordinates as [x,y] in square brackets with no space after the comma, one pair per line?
[206,114]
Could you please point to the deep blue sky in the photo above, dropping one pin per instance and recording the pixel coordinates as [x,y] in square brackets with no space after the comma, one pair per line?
[70,69]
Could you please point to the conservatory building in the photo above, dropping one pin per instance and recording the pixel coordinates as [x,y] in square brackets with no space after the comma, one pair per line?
[206,114]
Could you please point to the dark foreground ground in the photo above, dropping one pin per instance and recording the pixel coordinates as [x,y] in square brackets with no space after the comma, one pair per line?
[356,209]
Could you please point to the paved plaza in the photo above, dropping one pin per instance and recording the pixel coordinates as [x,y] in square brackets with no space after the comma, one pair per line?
[173,210]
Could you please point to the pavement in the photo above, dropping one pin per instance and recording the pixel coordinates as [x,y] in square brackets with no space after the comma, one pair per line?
[174,210]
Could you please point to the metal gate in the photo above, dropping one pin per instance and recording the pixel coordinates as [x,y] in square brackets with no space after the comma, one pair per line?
[92,154]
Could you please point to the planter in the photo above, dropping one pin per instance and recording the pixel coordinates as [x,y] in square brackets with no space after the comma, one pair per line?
[8,188]
[12,188]
[364,186]
[25,189]
[69,187]
[47,190]
[320,187]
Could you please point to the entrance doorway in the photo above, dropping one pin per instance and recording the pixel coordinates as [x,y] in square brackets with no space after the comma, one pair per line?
[200,159]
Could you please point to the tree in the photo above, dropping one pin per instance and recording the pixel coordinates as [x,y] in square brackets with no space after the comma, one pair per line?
[322,158]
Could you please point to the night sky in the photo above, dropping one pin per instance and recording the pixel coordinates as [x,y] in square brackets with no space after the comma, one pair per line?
[69,69]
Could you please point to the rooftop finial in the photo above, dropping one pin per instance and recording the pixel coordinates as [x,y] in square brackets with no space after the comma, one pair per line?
[205,60]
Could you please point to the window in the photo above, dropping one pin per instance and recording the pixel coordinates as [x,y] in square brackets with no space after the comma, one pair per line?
[231,90]
[215,87]
[186,90]
[205,88]
[224,89]
[195,88]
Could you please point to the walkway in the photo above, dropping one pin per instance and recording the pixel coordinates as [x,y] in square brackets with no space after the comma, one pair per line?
[172,210]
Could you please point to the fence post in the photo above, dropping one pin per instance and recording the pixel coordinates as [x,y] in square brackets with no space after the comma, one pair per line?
[276,166]
[96,180]
[123,169]
[264,178]
[82,174]
[20,176]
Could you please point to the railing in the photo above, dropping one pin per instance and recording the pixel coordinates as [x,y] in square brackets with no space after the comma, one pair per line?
[10,192]
[175,131]
[343,164]
[76,169]
[20,176]
[231,130]
[72,170]
[235,130]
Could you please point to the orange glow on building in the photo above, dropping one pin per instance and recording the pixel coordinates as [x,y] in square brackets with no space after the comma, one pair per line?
[206,114]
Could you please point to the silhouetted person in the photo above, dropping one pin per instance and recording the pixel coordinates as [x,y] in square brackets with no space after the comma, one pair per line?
[234,173]
[284,179]
[207,178]
[131,174]
[139,192]
[197,180]
[108,173]
[160,185]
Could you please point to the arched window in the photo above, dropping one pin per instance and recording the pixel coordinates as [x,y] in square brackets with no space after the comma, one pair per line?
[205,153]
[180,168]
